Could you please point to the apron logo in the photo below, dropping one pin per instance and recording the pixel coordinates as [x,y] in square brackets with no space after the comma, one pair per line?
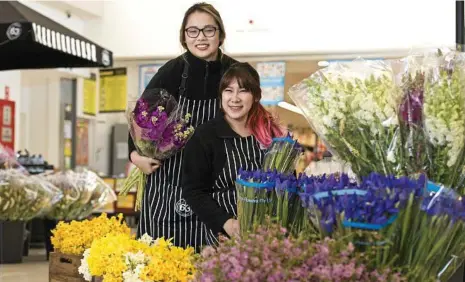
[183,209]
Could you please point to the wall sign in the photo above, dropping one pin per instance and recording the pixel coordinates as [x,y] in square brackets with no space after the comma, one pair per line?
[89,104]
[272,76]
[146,73]
[113,90]
[82,142]
[7,124]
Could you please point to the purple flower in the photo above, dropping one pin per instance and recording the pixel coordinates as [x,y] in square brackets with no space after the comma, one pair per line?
[376,200]
[411,108]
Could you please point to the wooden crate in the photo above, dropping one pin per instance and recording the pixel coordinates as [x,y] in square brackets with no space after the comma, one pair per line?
[64,268]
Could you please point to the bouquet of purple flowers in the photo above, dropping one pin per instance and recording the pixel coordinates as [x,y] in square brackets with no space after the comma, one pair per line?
[157,125]
[159,130]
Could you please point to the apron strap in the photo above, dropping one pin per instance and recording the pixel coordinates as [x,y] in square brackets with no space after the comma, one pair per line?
[184,76]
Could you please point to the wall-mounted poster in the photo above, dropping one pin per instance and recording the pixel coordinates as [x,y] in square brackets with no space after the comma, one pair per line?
[82,142]
[272,76]
[89,104]
[146,72]
[113,90]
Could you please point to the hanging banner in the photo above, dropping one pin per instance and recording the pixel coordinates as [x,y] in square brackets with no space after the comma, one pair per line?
[89,104]
[146,73]
[82,142]
[272,76]
[113,90]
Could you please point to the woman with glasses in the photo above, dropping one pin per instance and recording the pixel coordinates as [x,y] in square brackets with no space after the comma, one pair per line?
[193,78]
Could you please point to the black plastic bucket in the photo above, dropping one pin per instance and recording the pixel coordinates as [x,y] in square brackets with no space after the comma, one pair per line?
[11,241]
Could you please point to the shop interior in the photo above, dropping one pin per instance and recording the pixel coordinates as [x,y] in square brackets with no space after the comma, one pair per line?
[67,77]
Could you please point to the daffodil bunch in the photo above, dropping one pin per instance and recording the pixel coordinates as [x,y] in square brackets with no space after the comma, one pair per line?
[353,107]
[77,236]
[444,119]
[120,257]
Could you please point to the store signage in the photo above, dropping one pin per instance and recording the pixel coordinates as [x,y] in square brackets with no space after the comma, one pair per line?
[272,77]
[70,45]
[113,90]
[146,73]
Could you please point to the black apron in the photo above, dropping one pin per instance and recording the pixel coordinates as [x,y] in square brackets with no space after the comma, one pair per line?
[164,211]
[241,152]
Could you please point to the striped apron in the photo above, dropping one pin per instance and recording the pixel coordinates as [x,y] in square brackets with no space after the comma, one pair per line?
[164,211]
[241,152]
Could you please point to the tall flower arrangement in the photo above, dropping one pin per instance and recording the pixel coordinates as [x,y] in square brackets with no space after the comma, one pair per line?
[24,197]
[444,118]
[410,138]
[84,192]
[159,130]
[395,117]
[353,108]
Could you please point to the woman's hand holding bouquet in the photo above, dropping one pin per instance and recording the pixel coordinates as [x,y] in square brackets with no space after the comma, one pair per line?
[159,130]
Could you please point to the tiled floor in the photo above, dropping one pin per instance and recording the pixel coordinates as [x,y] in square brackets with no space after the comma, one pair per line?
[34,268]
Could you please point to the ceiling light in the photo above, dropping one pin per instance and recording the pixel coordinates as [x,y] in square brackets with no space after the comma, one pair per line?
[290,107]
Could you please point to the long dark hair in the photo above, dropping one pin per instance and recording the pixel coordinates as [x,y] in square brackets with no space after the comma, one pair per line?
[261,123]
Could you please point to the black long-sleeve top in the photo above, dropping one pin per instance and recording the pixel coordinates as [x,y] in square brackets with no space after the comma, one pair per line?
[211,160]
[202,83]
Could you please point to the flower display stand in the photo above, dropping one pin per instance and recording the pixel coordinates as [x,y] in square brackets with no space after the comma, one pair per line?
[64,268]
[11,241]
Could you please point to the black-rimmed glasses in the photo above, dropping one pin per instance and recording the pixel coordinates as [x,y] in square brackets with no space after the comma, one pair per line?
[194,32]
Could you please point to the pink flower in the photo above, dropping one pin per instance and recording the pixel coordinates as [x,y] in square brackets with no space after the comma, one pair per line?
[269,256]
[255,261]
[208,252]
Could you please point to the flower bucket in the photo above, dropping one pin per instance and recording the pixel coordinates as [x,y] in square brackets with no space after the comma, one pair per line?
[254,203]
[64,267]
[11,241]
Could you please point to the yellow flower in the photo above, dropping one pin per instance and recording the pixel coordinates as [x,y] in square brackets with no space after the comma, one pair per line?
[77,236]
[165,262]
